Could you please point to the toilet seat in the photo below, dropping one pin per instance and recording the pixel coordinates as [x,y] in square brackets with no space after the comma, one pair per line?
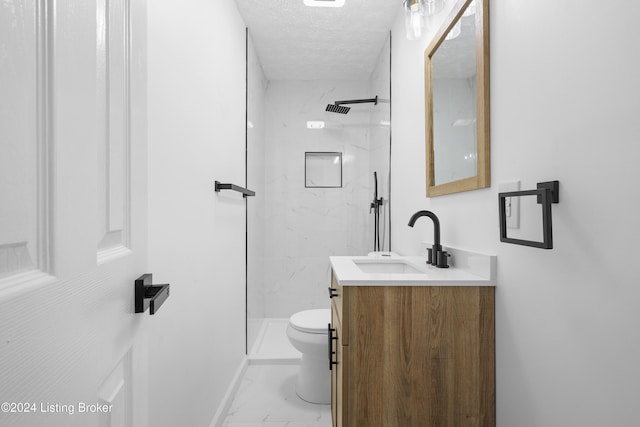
[311,321]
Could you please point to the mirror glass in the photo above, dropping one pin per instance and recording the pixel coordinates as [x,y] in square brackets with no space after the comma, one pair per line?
[457,108]
[453,82]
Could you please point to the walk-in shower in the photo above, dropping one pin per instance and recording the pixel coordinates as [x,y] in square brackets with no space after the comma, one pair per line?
[294,227]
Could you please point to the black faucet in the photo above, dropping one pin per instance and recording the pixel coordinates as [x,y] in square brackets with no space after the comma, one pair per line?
[436,256]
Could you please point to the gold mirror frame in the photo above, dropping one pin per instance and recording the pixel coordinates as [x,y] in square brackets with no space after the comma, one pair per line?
[483,177]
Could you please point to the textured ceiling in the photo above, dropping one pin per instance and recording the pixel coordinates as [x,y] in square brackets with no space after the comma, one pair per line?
[297,42]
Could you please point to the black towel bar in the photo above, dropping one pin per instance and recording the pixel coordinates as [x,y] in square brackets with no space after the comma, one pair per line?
[245,191]
[547,193]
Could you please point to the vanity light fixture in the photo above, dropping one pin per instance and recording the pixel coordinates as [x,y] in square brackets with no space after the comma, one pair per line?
[413,18]
[433,7]
[415,12]
[324,3]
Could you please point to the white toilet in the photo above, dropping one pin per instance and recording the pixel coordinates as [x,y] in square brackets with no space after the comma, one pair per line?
[307,332]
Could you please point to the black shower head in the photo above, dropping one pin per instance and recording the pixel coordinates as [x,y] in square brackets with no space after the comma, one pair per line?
[335,108]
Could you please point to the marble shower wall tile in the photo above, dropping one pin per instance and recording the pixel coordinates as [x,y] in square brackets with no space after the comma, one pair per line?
[296,283]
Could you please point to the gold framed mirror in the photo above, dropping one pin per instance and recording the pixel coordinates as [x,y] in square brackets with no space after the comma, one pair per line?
[457,101]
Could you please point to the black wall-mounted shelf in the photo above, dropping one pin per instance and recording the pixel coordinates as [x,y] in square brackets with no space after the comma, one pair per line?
[245,191]
[547,194]
[148,295]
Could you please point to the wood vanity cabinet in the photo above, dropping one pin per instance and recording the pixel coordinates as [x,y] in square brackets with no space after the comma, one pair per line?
[412,356]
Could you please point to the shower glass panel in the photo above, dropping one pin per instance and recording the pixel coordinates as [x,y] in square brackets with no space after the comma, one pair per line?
[255,132]
[294,228]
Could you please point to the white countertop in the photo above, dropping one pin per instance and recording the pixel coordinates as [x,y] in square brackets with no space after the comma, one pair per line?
[471,270]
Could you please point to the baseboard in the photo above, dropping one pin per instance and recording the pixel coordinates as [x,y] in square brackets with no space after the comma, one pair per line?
[221,413]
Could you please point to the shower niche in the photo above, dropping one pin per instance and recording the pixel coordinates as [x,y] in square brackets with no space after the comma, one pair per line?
[322,169]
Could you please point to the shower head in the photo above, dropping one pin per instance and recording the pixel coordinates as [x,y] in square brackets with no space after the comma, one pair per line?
[335,108]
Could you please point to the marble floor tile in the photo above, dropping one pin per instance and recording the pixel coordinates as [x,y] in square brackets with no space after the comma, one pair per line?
[266,397]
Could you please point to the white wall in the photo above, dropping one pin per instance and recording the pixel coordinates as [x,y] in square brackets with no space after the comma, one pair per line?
[196,87]
[304,226]
[564,105]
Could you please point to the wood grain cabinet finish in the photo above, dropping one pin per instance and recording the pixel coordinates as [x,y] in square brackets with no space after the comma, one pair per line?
[413,356]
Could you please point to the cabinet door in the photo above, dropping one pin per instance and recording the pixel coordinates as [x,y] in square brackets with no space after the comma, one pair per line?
[334,372]
[340,368]
[338,397]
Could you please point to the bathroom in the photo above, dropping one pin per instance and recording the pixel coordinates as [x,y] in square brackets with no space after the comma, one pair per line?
[564,106]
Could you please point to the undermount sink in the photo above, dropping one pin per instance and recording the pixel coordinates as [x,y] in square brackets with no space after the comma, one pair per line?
[394,266]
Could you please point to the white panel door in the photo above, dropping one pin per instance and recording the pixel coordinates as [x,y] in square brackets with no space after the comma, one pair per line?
[73,199]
